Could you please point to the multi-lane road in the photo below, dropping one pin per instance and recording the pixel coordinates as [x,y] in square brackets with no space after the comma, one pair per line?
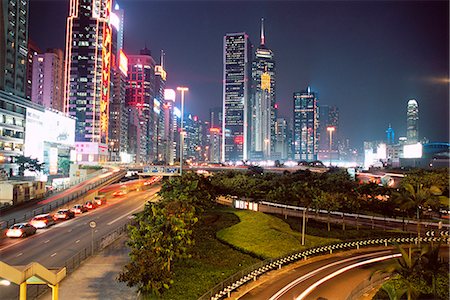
[54,246]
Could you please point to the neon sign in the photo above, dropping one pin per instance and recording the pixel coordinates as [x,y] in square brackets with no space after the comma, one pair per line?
[106,66]
[123,63]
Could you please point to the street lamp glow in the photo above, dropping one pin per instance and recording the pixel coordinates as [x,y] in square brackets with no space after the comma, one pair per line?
[182,89]
[5,282]
[330,129]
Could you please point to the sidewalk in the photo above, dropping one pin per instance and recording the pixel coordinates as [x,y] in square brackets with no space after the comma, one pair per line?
[96,277]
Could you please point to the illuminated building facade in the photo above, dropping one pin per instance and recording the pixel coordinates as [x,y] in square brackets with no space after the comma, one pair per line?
[140,94]
[87,75]
[263,101]
[306,125]
[237,58]
[13,46]
[281,140]
[412,122]
[47,81]
[33,50]
[169,126]
[158,112]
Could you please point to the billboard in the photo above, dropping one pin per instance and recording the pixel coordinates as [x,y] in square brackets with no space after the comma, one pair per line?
[34,134]
[412,151]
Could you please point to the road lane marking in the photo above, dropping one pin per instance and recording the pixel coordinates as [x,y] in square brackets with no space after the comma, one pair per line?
[19,254]
[53,254]
[77,241]
[70,230]
[46,241]
[310,274]
[124,215]
[340,271]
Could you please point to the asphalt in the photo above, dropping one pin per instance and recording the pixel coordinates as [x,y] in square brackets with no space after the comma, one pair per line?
[64,243]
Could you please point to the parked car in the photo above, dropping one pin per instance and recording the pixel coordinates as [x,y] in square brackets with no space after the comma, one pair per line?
[21,230]
[90,205]
[42,221]
[63,214]
[100,200]
[79,209]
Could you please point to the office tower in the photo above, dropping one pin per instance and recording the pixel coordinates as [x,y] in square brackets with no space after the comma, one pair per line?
[87,75]
[117,22]
[33,50]
[140,100]
[306,123]
[158,111]
[193,138]
[390,135]
[118,112]
[13,46]
[214,144]
[47,81]
[169,119]
[263,101]
[215,117]
[412,122]
[281,139]
[237,58]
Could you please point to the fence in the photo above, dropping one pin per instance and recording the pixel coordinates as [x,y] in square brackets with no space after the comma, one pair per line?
[376,280]
[35,291]
[58,203]
[226,287]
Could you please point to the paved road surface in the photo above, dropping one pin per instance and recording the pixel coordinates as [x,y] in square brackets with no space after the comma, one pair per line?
[52,247]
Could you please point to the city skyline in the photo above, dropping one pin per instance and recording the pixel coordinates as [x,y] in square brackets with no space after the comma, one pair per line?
[383,53]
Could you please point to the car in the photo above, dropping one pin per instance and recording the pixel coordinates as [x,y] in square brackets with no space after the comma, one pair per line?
[42,221]
[79,209]
[63,214]
[119,193]
[90,205]
[21,230]
[100,200]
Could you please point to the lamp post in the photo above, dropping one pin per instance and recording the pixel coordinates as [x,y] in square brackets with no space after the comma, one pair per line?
[182,90]
[330,129]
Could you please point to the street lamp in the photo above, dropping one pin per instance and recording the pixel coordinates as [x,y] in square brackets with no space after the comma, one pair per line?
[331,129]
[182,90]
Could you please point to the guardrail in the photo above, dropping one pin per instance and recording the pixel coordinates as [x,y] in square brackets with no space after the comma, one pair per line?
[60,202]
[35,291]
[377,280]
[226,287]
[342,214]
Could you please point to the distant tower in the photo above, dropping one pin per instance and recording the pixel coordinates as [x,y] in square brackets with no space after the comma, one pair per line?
[263,101]
[390,135]
[412,122]
[237,58]
[306,125]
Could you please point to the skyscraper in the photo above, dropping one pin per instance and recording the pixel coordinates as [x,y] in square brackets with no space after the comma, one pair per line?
[87,75]
[281,139]
[33,50]
[13,46]
[263,101]
[140,101]
[237,58]
[158,110]
[412,122]
[47,81]
[169,125]
[306,124]
[390,135]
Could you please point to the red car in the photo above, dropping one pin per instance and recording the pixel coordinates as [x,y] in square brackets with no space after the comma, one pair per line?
[90,205]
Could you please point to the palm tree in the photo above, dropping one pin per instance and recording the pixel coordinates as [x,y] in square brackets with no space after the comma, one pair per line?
[415,199]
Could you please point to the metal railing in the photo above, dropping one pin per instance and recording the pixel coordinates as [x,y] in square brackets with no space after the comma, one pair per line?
[375,281]
[229,285]
[60,202]
[35,291]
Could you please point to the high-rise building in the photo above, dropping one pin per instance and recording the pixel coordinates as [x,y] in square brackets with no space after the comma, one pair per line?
[47,81]
[390,135]
[169,125]
[412,122]
[215,117]
[140,101]
[237,58]
[263,101]
[281,139]
[214,144]
[33,50]
[87,76]
[13,46]
[306,125]
[158,111]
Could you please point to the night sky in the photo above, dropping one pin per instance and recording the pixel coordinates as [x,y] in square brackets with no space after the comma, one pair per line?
[366,57]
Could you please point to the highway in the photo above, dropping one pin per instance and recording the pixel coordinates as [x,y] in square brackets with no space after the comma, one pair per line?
[321,279]
[54,246]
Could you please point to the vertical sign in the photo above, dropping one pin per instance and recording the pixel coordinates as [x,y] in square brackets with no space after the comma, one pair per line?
[106,67]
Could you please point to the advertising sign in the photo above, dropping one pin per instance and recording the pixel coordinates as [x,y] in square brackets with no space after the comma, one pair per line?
[106,67]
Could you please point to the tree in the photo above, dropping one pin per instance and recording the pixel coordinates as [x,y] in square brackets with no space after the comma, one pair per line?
[162,235]
[28,163]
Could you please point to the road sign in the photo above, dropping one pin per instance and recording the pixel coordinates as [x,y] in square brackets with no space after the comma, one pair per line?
[92,224]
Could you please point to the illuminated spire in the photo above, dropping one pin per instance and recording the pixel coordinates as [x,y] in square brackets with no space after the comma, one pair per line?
[162,58]
[262,31]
